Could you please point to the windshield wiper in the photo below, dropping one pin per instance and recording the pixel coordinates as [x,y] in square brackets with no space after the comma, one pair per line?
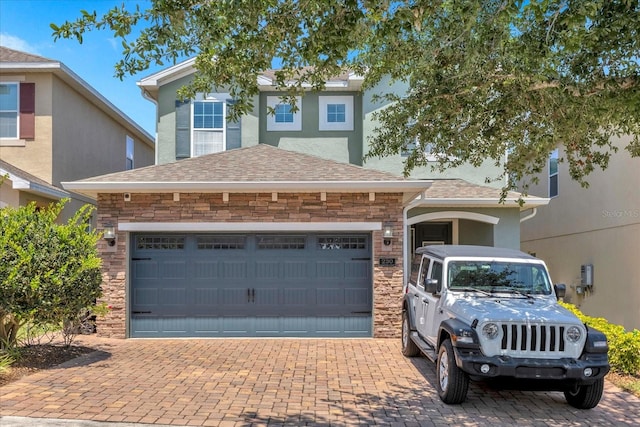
[471,289]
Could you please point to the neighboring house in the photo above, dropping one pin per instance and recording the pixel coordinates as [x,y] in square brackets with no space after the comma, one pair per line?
[54,127]
[272,225]
[590,237]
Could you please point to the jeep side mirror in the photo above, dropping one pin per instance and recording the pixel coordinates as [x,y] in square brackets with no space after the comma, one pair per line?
[431,285]
[561,290]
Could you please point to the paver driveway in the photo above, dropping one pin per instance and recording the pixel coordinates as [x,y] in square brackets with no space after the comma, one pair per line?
[280,381]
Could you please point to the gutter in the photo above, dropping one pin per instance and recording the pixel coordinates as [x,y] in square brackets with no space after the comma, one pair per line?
[533,213]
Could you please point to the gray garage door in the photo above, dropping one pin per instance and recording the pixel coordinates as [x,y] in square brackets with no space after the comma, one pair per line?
[209,285]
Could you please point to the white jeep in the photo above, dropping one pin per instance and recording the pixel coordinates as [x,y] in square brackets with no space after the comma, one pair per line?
[484,312]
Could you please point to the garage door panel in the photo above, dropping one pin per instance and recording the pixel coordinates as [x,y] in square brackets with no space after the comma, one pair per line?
[234,269]
[173,296]
[234,296]
[145,298]
[330,296]
[207,326]
[329,269]
[205,269]
[266,270]
[357,270]
[251,285]
[173,270]
[206,297]
[296,269]
[145,270]
[295,297]
[357,297]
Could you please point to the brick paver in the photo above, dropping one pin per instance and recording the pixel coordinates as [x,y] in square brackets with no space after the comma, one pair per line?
[238,382]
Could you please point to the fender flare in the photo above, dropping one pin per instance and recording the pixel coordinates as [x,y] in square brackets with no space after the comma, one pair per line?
[406,306]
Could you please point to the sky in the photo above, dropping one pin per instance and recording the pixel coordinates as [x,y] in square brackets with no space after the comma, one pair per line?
[24,26]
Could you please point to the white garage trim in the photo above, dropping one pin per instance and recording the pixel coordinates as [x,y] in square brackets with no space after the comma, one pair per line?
[249,226]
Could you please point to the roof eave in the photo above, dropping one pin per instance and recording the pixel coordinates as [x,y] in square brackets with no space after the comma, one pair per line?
[508,202]
[92,189]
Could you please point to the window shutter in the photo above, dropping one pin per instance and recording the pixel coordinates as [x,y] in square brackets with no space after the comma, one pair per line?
[27,110]
[183,131]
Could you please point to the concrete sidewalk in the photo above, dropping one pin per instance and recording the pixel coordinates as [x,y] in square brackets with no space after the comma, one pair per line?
[242,382]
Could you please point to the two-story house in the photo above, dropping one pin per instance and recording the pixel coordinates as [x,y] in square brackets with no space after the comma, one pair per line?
[55,127]
[590,237]
[272,225]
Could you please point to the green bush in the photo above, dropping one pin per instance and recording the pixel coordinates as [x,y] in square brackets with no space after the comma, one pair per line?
[624,346]
[49,272]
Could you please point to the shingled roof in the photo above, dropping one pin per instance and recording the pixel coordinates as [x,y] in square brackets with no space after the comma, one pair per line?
[458,192]
[11,55]
[258,168]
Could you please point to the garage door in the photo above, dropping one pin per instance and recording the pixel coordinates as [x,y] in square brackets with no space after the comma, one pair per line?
[209,285]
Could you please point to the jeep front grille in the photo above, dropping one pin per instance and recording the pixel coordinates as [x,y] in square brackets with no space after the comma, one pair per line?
[532,339]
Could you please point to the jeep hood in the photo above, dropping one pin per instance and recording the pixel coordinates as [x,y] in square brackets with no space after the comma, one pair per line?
[511,309]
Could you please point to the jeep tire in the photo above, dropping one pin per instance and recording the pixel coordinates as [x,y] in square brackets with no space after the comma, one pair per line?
[585,396]
[452,383]
[409,348]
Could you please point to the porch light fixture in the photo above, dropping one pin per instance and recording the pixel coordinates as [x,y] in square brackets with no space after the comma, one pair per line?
[109,234]
[387,233]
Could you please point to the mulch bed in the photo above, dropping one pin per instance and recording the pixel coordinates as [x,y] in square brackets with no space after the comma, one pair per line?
[34,358]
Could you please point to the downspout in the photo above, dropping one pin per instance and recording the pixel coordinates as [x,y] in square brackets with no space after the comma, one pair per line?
[148,97]
[405,236]
[533,213]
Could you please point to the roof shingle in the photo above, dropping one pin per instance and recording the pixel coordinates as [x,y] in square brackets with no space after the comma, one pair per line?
[260,163]
[11,55]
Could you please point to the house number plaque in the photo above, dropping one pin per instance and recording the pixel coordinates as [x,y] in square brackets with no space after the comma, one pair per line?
[387,262]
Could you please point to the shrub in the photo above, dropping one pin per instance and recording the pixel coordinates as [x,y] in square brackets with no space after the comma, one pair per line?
[49,272]
[624,346]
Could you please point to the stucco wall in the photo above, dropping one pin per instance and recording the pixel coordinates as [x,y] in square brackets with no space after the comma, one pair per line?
[87,141]
[599,225]
[295,208]
[342,146]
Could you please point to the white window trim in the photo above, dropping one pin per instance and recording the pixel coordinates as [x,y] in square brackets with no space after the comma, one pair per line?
[324,101]
[17,137]
[272,126]
[210,97]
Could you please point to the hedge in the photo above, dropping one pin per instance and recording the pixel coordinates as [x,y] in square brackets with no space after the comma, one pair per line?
[624,346]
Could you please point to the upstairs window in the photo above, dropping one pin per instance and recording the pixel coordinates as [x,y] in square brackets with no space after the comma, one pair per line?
[129,163]
[335,113]
[9,112]
[283,113]
[17,110]
[281,117]
[553,173]
[208,133]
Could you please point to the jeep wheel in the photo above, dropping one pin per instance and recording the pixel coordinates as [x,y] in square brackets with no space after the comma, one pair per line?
[409,348]
[452,382]
[585,396]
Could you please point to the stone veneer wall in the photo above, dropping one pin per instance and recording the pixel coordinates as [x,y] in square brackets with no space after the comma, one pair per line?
[241,207]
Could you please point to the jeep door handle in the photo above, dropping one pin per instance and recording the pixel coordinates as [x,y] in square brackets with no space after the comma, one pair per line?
[424,300]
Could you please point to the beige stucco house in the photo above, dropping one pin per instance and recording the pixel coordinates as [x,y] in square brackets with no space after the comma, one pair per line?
[590,237]
[55,127]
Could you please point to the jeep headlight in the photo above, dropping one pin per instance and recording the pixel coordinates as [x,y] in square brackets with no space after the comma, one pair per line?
[490,331]
[573,334]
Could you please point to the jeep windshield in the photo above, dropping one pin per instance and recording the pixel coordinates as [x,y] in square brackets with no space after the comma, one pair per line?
[498,276]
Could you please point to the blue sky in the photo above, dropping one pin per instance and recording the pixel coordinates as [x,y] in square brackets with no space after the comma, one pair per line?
[24,25]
